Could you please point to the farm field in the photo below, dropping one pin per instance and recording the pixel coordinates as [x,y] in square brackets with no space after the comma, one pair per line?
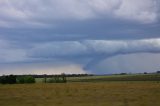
[114,93]
[129,77]
[104,78]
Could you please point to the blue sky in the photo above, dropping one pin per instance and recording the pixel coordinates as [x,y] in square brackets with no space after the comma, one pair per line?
[79,36]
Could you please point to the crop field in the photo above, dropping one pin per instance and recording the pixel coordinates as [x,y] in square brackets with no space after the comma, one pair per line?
[132,77]
[109,90]
[104,78]
[121,93]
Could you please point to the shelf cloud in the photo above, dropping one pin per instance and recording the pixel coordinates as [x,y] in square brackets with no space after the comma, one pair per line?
[94,48]
[97,50]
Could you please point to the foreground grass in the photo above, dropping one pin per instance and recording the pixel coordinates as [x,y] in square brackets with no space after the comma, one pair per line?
[81,94]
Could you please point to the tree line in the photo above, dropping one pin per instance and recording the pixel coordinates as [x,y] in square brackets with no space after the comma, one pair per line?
[22,79]
[13,79]
[67,75]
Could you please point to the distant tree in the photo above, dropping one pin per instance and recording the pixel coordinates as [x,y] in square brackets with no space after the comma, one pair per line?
[3,80]
[9,79]
[123,73]
[145,73]
[29,79]
[64,78]
[20,79]
[45,78]
[57,79]
[25,79]
[158,72]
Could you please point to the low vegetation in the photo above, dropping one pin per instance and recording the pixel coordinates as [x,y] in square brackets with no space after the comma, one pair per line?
[108,90]
[119,77]
[13,79]
[25,79]
[120,93]
[56,79]
[9,79]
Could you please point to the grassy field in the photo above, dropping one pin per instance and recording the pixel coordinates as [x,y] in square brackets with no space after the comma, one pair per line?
[113,90]
[129,77]
[122,93]
[104,78]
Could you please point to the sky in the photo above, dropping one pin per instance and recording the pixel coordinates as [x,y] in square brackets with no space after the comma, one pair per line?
[79,36]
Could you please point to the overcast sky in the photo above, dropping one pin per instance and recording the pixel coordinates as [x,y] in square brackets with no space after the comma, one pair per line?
[79,36]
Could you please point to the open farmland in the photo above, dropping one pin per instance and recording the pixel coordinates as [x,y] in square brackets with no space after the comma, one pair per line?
[104,78]
[129,77]
[109,90]
[120,93]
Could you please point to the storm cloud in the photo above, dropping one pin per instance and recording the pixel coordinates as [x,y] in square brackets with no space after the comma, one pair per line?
[40,13]
[80,33]
[97,50]
[94,48]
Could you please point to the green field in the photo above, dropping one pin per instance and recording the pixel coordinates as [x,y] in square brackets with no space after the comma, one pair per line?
[115,90]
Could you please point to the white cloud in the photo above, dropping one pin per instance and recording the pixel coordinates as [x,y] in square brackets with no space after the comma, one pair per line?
[140,10]
[39,12]
[104,6]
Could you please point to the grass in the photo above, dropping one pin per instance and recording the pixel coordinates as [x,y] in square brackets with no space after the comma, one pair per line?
[129,77]
[122,93]
[104,78]
[113,90]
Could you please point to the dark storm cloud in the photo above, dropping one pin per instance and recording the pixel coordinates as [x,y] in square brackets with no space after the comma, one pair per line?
[96,49]
[74,20]
[85,31]
[95,30]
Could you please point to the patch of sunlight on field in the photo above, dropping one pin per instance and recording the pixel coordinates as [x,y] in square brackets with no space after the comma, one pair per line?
[81,94]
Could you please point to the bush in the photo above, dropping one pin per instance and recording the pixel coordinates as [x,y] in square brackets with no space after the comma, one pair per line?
[25,79]
[29,79]
[9,79]
[20,80]
[57,79]
[3,80]
[123,73]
